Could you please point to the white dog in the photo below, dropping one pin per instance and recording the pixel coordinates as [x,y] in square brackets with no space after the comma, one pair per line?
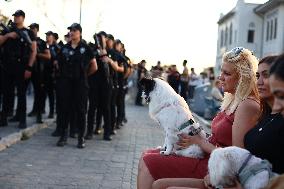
[226,165]
[172,112]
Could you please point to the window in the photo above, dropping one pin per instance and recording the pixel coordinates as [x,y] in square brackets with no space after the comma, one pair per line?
[267,31]
[226,36]
[222,38]
[275,28]
[250,36]
[231,34]
[271,29]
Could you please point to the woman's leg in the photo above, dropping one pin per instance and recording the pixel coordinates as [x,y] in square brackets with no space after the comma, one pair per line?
[178,182]
[144,178]
[180,188]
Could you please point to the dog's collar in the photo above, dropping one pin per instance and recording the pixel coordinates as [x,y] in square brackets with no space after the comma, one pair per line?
[186,124]
[252,170]
[245,163]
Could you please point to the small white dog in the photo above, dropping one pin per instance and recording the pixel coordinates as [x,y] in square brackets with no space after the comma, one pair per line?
[226,165]
[172,112]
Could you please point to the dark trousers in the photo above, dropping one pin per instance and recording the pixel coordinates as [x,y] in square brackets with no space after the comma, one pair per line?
[72,102]
[120,105]
[1,84]
[99,98]
[113,108]
[49,89]
[38,86]
[184,90]
[14,77]
[139,95]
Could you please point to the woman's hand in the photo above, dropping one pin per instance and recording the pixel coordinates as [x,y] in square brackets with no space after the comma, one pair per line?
[207,183]
[185,140]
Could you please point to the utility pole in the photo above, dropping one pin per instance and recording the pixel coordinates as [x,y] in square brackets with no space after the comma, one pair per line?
[80,11]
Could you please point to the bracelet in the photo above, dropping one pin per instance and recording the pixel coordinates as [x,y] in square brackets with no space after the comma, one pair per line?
[29,68]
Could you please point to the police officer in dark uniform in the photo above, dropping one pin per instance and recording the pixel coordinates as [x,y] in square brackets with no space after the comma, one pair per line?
[116,69]
[122,61]
[100,91]
[49,74]
[20,53]
[38,80]
[75,61]
[128,72]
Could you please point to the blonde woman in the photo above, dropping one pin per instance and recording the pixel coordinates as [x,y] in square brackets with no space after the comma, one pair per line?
[239,112]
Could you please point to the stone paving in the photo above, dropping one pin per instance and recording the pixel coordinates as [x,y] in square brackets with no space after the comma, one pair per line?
[38,164]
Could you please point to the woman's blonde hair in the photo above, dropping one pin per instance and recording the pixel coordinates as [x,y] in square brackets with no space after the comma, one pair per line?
[246,66]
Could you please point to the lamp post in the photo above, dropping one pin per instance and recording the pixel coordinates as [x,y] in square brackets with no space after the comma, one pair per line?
[80,11]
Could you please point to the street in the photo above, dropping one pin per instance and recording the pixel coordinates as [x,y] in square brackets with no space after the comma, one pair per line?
[38,163]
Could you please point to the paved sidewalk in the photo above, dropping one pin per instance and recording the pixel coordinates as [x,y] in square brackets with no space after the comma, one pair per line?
[38,163]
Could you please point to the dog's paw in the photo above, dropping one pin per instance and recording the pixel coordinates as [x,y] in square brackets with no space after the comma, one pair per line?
[164,153]
[161,148]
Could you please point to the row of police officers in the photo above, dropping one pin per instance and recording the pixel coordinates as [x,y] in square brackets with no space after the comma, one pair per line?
[89,80]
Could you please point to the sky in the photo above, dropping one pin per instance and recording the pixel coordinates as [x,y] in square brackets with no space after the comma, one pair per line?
[165,30]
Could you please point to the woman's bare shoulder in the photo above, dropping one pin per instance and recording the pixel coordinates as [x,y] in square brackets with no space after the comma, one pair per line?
[249,106]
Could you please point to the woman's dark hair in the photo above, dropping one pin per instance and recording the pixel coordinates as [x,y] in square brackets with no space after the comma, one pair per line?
[268,60]
[264,107]
[277,69]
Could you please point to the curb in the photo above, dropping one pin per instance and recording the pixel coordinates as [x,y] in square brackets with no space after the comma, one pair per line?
[23,134]
[202,120]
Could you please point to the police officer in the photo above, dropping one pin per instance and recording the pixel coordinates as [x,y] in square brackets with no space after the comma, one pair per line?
[20,53]
[115,70]
[128,72]
[75,61]
[100,91]
[121,82]
[49,74]
[38,80]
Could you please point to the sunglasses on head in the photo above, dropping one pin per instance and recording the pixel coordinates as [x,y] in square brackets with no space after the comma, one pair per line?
[235,52]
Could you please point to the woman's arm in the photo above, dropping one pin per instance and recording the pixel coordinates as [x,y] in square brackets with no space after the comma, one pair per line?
[246,116]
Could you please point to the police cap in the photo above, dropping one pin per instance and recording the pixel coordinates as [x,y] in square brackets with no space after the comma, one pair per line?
[75,26]
[19,13]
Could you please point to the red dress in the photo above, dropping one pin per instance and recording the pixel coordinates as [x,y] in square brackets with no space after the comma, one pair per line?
[173,166]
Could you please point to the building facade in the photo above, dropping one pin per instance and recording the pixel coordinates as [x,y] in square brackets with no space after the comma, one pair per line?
[258,27]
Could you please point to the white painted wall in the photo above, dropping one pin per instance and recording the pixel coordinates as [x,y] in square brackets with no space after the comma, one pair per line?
[274,46]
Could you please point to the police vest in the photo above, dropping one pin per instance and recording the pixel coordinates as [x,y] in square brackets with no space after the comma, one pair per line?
[18,48]
[73,63]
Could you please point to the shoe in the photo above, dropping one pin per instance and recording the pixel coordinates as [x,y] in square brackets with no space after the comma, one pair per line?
[38,119]
[97,131]
[14,119]
[124,120]
[119,124]
[55,133]
[113,132]
[22,125]
[31,114]
[62,142]
[81,143]
[50,116]
[3,122]
[73,135]
[117,127]
[89,136]
[107,138]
